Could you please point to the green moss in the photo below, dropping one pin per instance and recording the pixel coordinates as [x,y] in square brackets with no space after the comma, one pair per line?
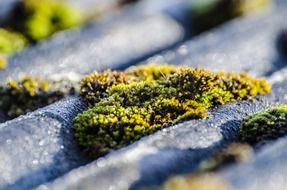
[94,87]
[206,14]
[11,42]
[17,98]
[39,20]
[264,126]
[130,110]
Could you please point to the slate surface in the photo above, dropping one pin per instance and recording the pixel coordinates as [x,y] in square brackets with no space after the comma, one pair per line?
[39,147]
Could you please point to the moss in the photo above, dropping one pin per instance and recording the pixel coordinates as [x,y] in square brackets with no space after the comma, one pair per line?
[204,177]
[234,153]
[3,62]
[11,42]
[200,182]
[94,86]
[130,110]
[264,126]
[210,13]
[39,20]
[17,98]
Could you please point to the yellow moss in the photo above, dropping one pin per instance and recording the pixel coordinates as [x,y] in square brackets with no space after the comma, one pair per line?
[11,42]
[40,19]
[200,182]
[3,62]
[144,100]
[30,93]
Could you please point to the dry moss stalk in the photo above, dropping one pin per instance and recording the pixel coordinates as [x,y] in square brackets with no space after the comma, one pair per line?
[30,93]
[138,107]
[265,126]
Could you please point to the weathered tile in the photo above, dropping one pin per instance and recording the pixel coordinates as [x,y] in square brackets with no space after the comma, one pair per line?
[246,44]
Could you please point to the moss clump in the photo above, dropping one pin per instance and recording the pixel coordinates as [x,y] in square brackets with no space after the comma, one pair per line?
[234,153]
[39,20]
[94,86]
[199,182]
[11,42]
[264,126]
[17,98]
[204,178]
[131,110]
[206,14]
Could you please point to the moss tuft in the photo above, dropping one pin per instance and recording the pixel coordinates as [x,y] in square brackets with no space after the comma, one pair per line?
[123,112]
[264,126]
[39,20]
[17,98]
[11,42]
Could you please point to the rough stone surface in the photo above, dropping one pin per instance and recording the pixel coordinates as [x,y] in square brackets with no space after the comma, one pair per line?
[39,147]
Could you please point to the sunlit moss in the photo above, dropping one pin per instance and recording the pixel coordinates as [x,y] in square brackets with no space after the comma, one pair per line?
[30,93]
[198,182]
[264,126]
[40,19]
[129,110]
[94,86]
[206,14]
[11,42]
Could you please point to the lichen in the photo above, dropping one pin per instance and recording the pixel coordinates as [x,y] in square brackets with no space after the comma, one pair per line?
[210,13]
[130,110]
[30,93]
[11,42]
[199,182]
[264,126]
[39,20]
